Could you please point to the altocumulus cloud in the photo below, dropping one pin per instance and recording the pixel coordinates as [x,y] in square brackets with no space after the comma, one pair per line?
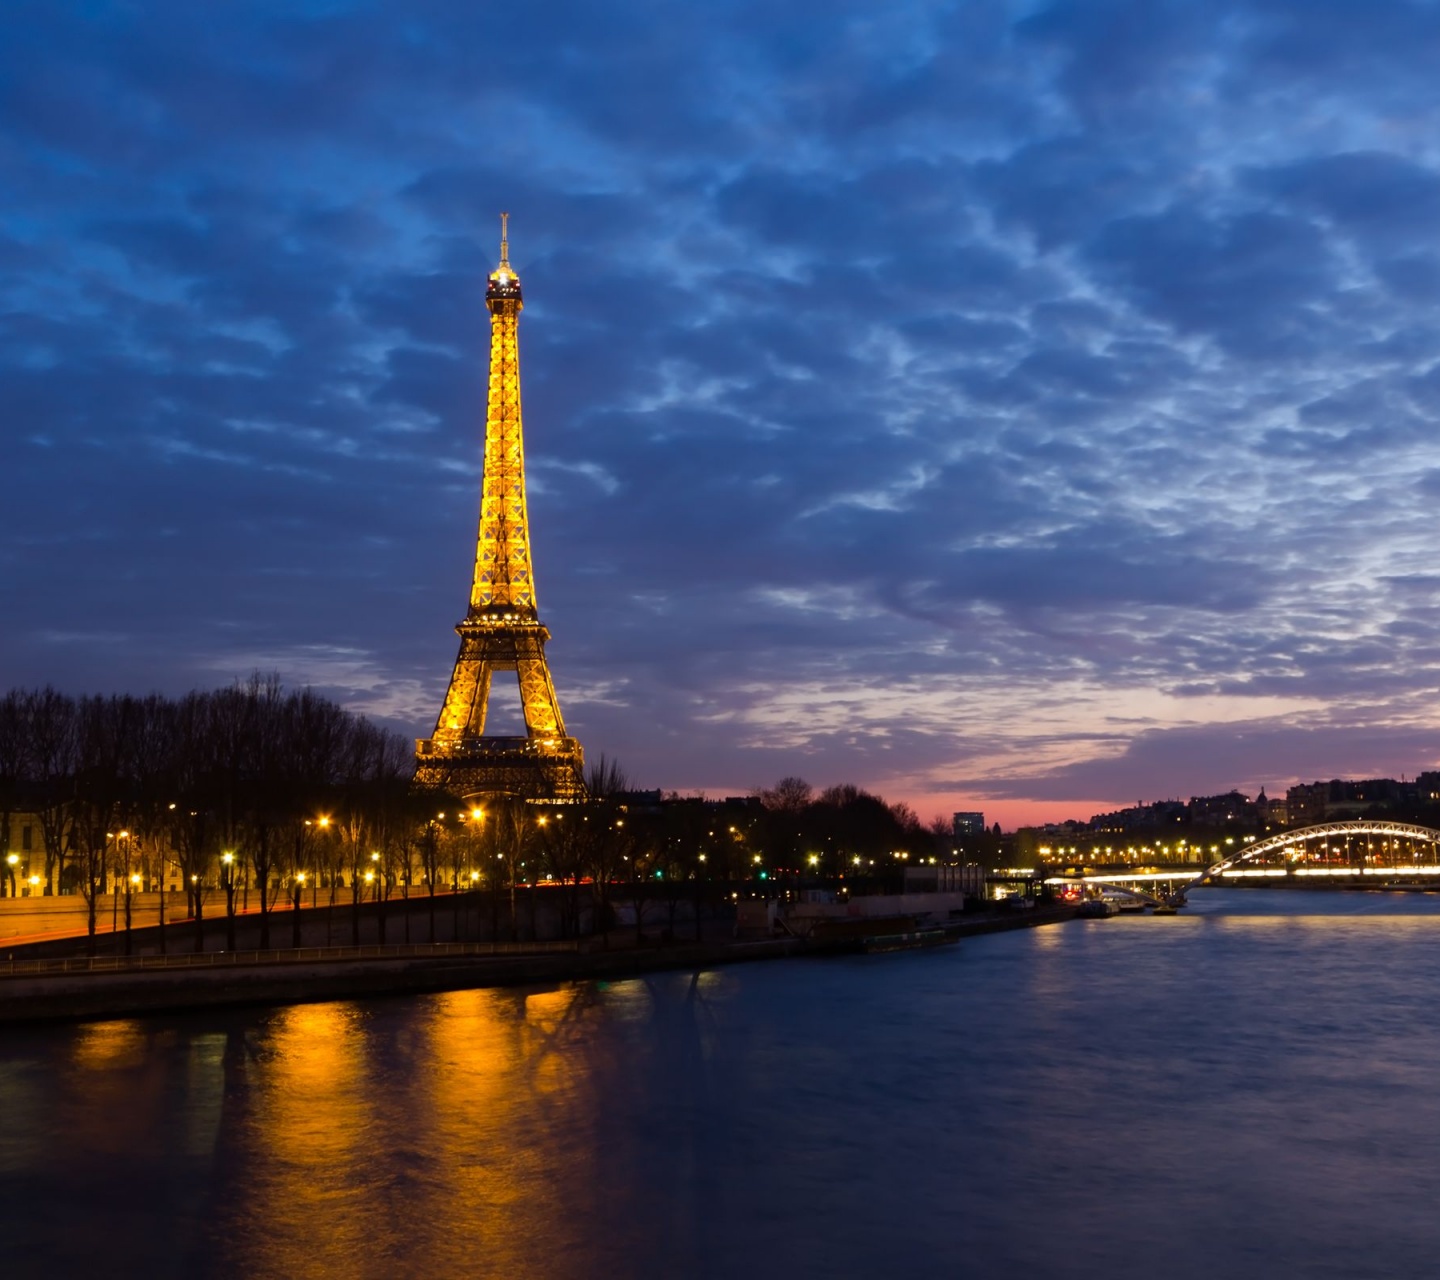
[1028,405]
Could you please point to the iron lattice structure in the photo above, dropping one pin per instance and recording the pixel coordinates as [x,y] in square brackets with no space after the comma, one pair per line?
[502,629]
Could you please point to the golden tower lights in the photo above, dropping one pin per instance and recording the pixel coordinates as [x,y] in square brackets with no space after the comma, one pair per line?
[502,629]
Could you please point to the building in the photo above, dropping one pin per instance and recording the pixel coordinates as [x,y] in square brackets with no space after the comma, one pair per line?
[967,824]
[1143,817]
[24,844]
[1228,810]
[1273,813]
[1312,802]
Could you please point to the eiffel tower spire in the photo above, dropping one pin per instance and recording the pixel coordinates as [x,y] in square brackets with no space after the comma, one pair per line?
[502,629]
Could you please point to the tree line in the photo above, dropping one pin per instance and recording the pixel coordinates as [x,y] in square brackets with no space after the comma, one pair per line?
[222,788]
[255,790]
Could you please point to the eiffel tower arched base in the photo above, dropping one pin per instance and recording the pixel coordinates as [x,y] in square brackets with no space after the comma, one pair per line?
[542,770]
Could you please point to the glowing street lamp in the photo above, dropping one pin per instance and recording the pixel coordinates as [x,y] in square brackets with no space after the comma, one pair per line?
[299,891]
[132,885]
[227,882]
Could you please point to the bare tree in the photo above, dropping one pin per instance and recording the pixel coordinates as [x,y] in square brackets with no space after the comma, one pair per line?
[789,795]
[50,725]
[13,748]
[103,729]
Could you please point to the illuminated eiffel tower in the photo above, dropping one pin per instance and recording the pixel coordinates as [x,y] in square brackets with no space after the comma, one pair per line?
[502,630]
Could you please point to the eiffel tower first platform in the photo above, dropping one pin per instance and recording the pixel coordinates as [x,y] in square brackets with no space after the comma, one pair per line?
[502,630]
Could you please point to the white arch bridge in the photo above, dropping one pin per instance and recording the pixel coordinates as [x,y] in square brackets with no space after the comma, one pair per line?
[1330,852]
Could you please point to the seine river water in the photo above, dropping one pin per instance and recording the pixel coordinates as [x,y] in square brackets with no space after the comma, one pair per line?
[1249,1089]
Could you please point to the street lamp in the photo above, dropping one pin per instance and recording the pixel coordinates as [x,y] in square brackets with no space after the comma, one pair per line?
[131,884]
[299,891]
[13,861]
[227,880]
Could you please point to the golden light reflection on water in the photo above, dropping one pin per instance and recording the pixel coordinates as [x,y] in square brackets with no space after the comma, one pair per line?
[1388,922]
[314,1090]
[101,1046]
[112,1069]
[512,1069]
[294,1131]
[460,1101]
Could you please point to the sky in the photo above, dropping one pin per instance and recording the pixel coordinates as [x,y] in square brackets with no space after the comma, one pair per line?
[1025,407]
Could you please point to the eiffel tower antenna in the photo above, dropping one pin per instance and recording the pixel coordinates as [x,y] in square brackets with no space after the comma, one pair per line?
[502,629]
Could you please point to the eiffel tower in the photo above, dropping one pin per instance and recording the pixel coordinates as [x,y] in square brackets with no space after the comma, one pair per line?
[502,630]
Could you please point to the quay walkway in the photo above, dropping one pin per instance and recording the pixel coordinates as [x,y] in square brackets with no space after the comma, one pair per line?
[95,987]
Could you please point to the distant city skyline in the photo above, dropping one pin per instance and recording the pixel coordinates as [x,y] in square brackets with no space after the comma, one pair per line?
[1016,407]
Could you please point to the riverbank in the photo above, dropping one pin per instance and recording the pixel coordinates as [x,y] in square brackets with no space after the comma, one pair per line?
[54,990]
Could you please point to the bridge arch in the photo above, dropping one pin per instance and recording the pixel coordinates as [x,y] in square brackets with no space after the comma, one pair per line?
[1319,831]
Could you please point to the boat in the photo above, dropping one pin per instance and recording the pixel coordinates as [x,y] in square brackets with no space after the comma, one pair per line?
[907,941]
[1096,909]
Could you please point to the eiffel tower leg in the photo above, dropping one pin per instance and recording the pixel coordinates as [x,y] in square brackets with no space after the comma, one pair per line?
[481,705]
[537,696]
[465,701]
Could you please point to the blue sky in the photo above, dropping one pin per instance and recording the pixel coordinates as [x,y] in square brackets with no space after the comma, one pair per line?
[1027,407]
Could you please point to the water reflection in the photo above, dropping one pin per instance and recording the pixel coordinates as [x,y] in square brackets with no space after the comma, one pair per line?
[1005,1104]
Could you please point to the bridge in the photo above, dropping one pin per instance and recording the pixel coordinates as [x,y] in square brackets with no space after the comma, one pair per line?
[1390,852]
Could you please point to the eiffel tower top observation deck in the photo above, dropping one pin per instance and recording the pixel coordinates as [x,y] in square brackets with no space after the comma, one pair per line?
[502,629]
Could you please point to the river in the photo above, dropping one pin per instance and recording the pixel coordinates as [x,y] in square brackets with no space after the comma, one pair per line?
[1251,1088]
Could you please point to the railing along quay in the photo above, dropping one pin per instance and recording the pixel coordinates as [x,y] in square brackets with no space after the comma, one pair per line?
[285,955]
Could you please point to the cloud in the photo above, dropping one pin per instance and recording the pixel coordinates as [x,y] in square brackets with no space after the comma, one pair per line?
[1003,397]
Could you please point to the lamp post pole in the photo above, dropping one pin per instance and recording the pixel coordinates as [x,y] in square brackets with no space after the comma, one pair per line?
[378,874]
[227,880]
[370,880]
[161,934]
[131,882]
[299,891]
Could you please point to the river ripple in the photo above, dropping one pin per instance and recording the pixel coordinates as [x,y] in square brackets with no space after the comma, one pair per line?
[1249,1089]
